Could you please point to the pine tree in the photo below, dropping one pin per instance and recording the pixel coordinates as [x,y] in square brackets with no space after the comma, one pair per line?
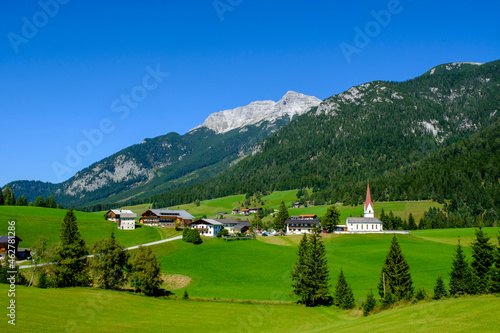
[39,202]
[22,201]
[495,272]
[280,219]
[344,297]
[310,276]
[482,260]
[50,202]
[460,275]
[369,304]
[1,197]
[109,262]
[395,274]
[71,268]
[411,223]
[331,219]
[146,276]
[440,288]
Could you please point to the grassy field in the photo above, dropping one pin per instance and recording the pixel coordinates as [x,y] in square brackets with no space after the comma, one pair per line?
[261,269]
[92,310]
[33,222]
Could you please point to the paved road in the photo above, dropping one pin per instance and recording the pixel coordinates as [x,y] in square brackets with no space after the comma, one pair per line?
[128,248]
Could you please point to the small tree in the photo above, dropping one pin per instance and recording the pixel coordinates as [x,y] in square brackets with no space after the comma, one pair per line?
[281,217]
[146,271]
[22,201]
[369,304]
[331,219]
[395,275]
[411,223]
[109,263]
[42,280]
[482,260]
[440,288]
[460,275]
[39,202]
[50,202]
[344,297]
[38,253]
[186,295]
[223,232]
[421,294]
[495,272]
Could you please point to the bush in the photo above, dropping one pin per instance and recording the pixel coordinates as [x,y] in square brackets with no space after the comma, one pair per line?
[421,294]
[223,232]
[42,280]
[191,236]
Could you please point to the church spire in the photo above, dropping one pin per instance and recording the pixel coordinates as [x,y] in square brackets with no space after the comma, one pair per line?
[368,202]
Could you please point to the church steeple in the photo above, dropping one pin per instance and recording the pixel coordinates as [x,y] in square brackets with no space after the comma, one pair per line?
[369,212]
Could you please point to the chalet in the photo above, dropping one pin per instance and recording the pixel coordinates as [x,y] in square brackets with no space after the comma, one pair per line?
[297,205]
[368,223]
[221,213]
[4,245]
[302,224]
[245,211]
[254,210]
[207,227]
[166,218]
[234,226]
[125,218]
[235,211]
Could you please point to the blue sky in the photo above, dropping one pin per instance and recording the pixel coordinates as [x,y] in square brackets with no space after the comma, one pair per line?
[65,69]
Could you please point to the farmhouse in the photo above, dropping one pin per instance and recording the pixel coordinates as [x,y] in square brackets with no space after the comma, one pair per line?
[125,218]
[207,227]
[254,210]
[235,211]
[245,211]
[302,224]
[4,244]
[368,223]
[166,218]
[234,226]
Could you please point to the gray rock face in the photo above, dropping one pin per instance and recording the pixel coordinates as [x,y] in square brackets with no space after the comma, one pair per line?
[291,104]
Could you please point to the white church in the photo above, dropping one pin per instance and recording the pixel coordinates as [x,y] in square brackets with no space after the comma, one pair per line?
[367,224]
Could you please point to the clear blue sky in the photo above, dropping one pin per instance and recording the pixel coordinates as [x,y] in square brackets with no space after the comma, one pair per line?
[84,55]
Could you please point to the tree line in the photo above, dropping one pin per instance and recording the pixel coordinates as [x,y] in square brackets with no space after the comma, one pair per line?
[8,198]
[311,278]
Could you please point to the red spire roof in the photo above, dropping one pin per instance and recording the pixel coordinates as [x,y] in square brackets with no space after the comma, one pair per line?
[368,197]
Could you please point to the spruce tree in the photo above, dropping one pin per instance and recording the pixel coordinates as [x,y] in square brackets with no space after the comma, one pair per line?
[280,219]
[411,223]
[310,276]
[145,268]
[109,263]
[495,272]
[50,202]
[22,201]
[482,260]
[369,304]
[344,297]
[331,219]
[70,269]
[39,202]
[440,288]
[395,274]
[460,275]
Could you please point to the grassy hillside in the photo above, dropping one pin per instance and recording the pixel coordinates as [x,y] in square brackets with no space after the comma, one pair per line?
[85,309]
[33,222]
[260,270]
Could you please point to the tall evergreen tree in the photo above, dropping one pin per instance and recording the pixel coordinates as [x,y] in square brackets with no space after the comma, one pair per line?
[344,297]
[70,269]
[482,260]
[39,202]
[108,264]
[50,202]
[369,304]
[495,273]
[280,219]
[22,201]
[460,275]
[331,219]
[1,197]
[395,274]
[146,277]
[310,276]
[7,196]
[411,223]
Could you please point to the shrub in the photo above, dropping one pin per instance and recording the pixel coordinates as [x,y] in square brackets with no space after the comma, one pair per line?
[223,232]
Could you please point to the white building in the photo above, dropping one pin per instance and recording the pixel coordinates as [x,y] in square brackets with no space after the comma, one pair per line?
[234,226]
[124,218]
[207,227]
[368,223]
[302,224]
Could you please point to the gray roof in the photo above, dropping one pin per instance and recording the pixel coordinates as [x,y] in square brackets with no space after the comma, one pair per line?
[241,225]
[209,221]
[129,215]
[303,221]
[170,212]
[227,221]
[363,220]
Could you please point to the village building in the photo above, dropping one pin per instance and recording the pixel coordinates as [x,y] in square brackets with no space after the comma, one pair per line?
[4,245]
[245,211]
[368,223]
[302,224]
[124,218]
[254,210]
[235,211]
[207,227]
[234,226]
[166,218]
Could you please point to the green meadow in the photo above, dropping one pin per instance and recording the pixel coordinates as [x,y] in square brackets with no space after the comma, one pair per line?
[93,310]
[33,222]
